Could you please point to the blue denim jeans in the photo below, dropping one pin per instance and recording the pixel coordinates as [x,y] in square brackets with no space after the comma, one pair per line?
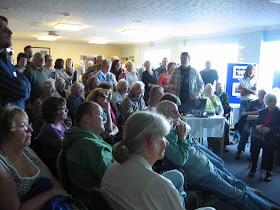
[243,107]
[177,179]
[215,160]
[233,190]
[222,183]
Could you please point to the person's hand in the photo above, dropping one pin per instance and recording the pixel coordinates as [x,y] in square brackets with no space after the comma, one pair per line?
[241,87]
[265,129]
[175,87]
[258,127]
[106,106]
[181,131]
[262,129]
[113,78]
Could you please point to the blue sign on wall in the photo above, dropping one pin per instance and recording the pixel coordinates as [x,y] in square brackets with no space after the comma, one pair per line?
[235,72]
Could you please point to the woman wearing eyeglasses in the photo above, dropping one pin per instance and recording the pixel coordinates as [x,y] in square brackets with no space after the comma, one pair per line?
[21,171]
[54,112]
[101,96]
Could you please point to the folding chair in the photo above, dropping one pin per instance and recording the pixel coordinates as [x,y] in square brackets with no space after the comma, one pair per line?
[62,170]
[99,200]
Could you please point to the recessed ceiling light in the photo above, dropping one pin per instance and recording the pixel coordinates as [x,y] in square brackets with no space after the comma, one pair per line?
[98,41]
[68,27]
[47,38]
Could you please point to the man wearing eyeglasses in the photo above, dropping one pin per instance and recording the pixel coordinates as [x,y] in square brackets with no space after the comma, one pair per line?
[14,87]
[202,167]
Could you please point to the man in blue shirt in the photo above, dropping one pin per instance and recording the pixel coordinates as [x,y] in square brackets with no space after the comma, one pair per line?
[14,87]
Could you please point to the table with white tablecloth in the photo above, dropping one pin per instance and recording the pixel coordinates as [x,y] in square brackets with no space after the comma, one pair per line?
[206,127]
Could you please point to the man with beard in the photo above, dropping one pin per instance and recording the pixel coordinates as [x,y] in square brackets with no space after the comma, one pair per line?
[29,52]
[14,87]
[186,82]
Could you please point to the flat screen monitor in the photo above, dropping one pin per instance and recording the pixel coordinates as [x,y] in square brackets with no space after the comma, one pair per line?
[196,104]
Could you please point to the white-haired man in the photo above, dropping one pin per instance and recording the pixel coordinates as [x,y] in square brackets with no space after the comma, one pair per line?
[134,101]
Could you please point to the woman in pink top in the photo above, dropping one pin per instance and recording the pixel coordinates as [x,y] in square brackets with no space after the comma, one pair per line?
[164,77]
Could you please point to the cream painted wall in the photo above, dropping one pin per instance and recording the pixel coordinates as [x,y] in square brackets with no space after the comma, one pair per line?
[65,51]
[138,51]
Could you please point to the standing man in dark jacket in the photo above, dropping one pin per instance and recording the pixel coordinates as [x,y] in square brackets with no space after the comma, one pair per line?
[14,87]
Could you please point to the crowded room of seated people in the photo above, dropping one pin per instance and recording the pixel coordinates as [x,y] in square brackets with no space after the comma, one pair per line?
[116,136]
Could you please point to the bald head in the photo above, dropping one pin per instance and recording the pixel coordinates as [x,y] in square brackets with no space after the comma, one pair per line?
[170,110]
[165,107]
[164,62]
[38,60]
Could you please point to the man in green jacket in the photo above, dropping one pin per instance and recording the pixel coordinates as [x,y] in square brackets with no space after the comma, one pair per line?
[87,155]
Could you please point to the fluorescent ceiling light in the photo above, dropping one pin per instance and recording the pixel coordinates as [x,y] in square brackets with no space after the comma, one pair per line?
[68,27]
[47,38]
[133,32]
[275,1]
[98,41]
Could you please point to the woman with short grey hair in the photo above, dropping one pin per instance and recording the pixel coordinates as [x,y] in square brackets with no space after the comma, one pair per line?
[130,75]
[60,85]
[122,89]
[75,99]
[143,144]
[264,134]
[270,97]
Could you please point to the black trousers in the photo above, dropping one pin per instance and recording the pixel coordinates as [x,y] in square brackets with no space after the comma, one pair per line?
[270,147]
[256,145]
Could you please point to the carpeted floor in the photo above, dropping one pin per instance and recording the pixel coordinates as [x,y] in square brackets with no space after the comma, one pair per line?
[240,169]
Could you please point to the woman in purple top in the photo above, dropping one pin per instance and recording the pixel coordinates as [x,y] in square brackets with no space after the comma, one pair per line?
[54,112]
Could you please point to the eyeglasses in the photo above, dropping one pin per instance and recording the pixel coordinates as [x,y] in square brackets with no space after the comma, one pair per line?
[23,127]
[103,96]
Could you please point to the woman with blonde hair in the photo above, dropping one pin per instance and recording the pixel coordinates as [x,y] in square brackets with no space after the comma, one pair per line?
[155,95]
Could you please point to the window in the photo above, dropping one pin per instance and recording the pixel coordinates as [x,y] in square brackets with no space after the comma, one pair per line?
[156,56]
[218,55]
[269,64]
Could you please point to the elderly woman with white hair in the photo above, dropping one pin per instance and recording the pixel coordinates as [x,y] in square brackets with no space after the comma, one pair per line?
[264,134]
[48,89]
[214,103]
[143,144]
[60,85]
[75,99]
[130,75]
[122,88]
